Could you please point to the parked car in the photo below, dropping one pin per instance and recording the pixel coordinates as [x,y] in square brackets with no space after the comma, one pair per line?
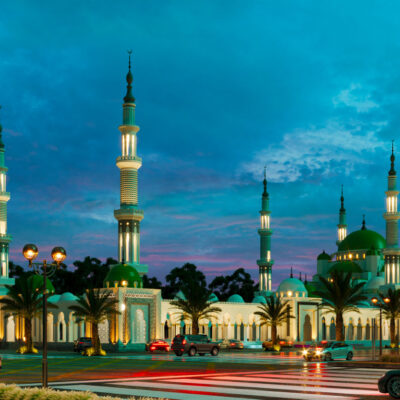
[231,344]
[267,345]
[82,343]
[390,383]
[328,351]
[157,345]
[193,344]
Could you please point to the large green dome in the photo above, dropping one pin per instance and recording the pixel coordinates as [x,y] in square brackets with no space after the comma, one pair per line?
[123,275]
[346,266]
[362,240]
[37,283]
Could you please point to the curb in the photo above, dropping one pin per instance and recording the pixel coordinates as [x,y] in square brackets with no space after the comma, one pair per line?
[367,364]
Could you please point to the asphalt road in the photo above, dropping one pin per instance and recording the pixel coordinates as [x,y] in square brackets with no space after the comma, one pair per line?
[231,375]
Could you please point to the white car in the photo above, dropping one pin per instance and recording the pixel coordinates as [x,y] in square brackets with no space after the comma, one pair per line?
[328,351]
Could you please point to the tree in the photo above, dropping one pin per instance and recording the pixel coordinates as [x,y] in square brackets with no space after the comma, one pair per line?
[16,271]
[239,282]
[274,313]
[391,310]
[94,307]
[24,301]
[151,283]
[339,296]
[195,305]
[183,277]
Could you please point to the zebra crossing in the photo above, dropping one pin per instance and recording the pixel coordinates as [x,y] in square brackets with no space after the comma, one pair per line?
[314,382]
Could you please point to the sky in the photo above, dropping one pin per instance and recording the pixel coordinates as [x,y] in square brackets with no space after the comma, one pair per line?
[310,89]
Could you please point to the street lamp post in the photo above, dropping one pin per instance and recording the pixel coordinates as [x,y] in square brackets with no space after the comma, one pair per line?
[375,301]
[30,252]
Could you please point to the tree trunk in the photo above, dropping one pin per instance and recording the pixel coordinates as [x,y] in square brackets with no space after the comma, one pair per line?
[28,335]
[392,331]
[96,339]
[195,326]
[273,334]
[339,327]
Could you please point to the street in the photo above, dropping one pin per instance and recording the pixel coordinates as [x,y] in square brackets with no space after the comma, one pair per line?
[231,375]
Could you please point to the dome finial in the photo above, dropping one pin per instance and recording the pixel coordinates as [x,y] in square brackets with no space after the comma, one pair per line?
[129,79]
[291,272]
[392,170]
[300,276]
[342,209]
[363,228]
[305,280]
[265,193]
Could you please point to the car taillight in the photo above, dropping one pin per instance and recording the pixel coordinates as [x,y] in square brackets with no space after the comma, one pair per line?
[184,341]
[152,348]
[167,348]
[232,344]
[282,342]
[80,343]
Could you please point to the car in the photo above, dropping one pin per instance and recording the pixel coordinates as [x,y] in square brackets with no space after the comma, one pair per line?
[82,343]
[157,344]
[267,345]
[231,344]
[390,383]
[194,344]
[328,351]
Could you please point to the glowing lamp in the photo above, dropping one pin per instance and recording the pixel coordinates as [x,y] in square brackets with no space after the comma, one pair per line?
[59,254]
[30,252]
[386,300]
[124,283]
[123,307]
[290,293]
[374,300]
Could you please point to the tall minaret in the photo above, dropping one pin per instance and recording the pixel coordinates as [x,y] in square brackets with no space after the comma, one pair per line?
[129,215]
[265,262]
[392,216]
[5,239]
[342,225]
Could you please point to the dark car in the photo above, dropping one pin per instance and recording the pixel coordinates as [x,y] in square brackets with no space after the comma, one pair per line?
[193,344]
[157,345]
[82,343]
[390,383]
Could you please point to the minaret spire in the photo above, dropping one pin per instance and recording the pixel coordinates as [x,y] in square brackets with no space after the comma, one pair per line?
[392,216]
[342,225]
[265,262]
[363,227]
[129,215]
[5,238]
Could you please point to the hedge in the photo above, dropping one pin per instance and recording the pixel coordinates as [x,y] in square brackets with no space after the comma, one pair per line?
[13,392]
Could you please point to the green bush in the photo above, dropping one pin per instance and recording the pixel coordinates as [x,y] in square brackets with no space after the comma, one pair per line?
[13,392]
[391,357]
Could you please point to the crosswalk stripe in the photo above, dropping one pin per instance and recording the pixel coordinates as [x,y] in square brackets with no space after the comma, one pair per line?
[300,381]
[240,391]
[310,377]
[233,382]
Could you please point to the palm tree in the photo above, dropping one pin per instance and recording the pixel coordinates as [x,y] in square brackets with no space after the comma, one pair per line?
[195,305]
[340,296]
[94,307]
[274,313]
[391,310]
[24,300]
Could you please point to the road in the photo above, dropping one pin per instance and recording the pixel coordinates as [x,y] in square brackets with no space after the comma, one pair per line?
[248,375]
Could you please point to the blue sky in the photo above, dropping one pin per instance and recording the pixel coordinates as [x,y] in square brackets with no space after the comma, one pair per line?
[311,89]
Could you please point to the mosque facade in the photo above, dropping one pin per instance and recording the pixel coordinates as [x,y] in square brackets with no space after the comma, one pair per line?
[145,315]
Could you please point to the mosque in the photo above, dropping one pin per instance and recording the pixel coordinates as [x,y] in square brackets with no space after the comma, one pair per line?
[145,315]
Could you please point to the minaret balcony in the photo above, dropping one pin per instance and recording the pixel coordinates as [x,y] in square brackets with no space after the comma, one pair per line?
[5,238]
[129,162]
[129,214]
[265,263]
[128,129]
[4,196]
[265,232]
[391,215]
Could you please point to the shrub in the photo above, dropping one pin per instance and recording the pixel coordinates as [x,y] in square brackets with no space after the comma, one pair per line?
[90,351]
[391,357]
[13,392]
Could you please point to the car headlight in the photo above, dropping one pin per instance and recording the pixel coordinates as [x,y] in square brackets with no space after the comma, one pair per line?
[305,352]
[318,352]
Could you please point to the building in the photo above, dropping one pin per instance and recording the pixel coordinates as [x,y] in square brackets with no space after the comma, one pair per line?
[145,315]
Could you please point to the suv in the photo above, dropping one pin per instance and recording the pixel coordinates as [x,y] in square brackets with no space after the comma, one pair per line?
[193,344]
[82,343]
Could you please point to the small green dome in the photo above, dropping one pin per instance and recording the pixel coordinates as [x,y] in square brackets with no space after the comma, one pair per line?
[293,285]
[36,281]
[361,240]
[123,275]
[259,299]
[180,296]
[346,266]
[324,256]
[235,298]
[213,297]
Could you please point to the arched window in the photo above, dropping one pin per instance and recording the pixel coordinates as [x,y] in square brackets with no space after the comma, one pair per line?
[323,329]
[166,330]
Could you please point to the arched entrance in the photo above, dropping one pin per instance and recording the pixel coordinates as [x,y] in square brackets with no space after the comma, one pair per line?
[307,328]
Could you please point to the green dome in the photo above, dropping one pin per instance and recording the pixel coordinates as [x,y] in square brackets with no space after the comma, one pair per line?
[123,275]
[36,281]
[324,256]
[373,252]
[259,299]
[235,298]
[213,297]
[293,285]
[346,266]
[361,240]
